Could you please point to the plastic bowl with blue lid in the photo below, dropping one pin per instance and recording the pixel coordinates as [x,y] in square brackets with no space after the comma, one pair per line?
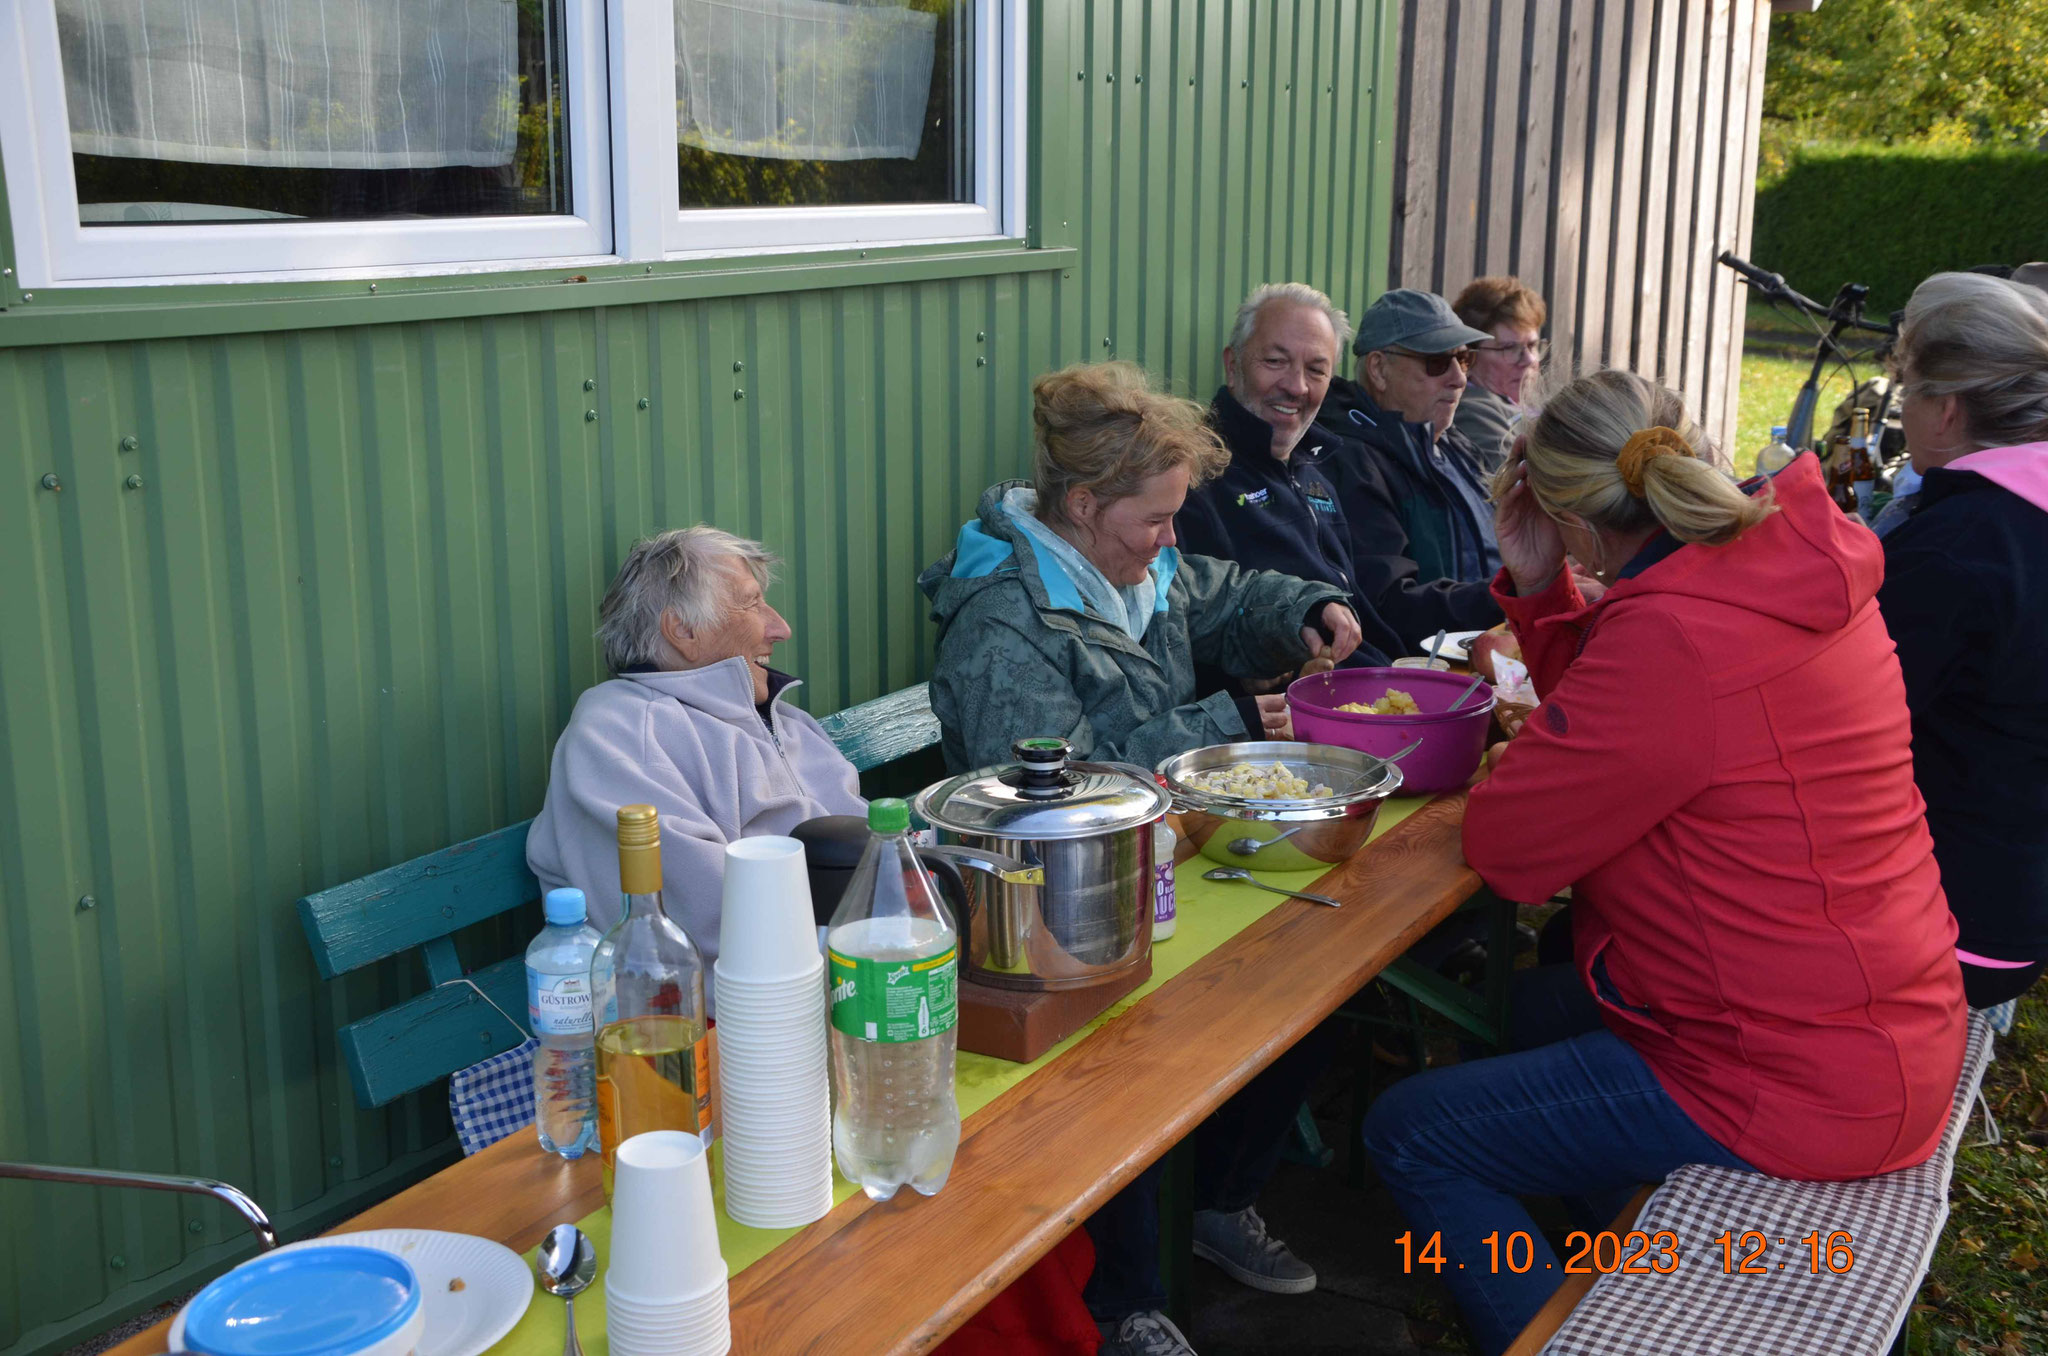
[323,1301]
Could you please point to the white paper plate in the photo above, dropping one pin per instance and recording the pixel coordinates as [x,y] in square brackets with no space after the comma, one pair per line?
[496,1286]
[1457,646]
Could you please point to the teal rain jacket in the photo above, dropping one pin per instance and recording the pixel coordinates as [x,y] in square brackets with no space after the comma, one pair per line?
[1021,654]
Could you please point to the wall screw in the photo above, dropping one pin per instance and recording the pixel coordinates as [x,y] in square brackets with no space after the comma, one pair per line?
[1105,341]
[1080,75]
[28,296]
[1137,79]
[130,443]
[981,362]
[738,366]
[50,481]
[87,902]
[373,287]
[981,336]
[739,395]
[6,272]
[590,383]
[334,1161]
[195,1227]
[484,1036]
[645,402]
[1191,80]
[590,416]
[1244,84]
[117,1261]
[133,482]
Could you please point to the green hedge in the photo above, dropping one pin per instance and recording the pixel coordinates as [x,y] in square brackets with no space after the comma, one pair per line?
[1889,216]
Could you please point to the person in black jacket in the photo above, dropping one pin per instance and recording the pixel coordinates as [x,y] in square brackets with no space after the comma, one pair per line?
[1964,595]
[1411,487]
[1275,507]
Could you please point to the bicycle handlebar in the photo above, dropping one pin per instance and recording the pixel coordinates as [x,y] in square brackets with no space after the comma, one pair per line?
[1774,286]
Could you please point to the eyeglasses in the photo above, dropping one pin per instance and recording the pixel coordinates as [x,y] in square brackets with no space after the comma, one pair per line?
[1436,364]
[1539,349]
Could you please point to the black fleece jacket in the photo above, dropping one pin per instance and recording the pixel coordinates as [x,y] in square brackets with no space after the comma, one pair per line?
[1965,596]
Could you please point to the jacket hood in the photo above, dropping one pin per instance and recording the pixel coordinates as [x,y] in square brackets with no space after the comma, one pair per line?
[2023,469]
[724,690]
[1349,412]
[992,550]
[1807,565]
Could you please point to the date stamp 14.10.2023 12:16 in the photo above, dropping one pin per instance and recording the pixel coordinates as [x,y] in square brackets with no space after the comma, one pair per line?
[1748,1253]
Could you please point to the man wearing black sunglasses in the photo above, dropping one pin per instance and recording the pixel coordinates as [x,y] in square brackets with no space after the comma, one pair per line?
[1413,490]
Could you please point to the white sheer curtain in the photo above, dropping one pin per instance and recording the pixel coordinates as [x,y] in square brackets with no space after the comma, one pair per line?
[803,79]
[325,84]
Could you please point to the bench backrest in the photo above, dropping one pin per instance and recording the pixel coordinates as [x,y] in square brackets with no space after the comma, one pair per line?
[466,1015]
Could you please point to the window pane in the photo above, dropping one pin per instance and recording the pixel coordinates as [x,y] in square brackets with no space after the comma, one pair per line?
[328,110]
[801,103]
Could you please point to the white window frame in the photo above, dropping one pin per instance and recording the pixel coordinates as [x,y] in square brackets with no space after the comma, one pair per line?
[998,170]
[53,249]
[620,76]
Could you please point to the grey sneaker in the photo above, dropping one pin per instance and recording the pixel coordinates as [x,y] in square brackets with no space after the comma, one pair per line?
[1150,1333]
[1237,1241]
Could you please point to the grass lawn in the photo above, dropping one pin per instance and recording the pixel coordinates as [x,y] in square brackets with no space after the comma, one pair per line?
[1988,1289]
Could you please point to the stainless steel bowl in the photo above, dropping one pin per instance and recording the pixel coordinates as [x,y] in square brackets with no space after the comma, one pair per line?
[1307,834]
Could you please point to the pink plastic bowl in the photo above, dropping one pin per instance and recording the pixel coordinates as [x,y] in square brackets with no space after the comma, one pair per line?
[1452,741]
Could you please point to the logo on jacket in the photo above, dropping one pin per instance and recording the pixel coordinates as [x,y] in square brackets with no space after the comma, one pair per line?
[1252,499]
[1321,503]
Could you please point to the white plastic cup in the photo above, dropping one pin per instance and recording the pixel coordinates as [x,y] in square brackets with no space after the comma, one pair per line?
[765,927]
[664,1230]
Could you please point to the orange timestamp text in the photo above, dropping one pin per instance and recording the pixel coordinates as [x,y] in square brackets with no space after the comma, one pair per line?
[1639,1253]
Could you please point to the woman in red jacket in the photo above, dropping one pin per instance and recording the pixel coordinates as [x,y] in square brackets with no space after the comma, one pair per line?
[1764,966]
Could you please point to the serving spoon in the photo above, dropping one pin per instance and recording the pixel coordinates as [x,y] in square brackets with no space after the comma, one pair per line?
[1240,874]
[568,1264]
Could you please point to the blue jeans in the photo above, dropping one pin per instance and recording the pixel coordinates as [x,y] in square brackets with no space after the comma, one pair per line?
[1574,1113]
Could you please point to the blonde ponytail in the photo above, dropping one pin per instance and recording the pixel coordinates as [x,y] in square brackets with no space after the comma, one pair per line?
[1625,455]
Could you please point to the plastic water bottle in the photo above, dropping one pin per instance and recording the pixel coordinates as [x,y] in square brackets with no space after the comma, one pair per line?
[558,1008]
[893,958]
[1776,454]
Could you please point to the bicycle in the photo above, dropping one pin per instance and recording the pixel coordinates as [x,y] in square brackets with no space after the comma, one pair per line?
[1843,315]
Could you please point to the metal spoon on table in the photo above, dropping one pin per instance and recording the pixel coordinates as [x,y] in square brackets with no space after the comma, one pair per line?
[568,1264]
[1239,873]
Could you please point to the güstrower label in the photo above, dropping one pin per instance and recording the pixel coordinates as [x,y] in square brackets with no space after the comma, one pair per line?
[893,1001]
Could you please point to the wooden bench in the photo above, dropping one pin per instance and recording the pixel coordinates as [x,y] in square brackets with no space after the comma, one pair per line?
[466,1014]
[1858,1308]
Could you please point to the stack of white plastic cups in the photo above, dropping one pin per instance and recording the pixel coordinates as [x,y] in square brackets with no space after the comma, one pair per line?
[774,1088]
[665,1283]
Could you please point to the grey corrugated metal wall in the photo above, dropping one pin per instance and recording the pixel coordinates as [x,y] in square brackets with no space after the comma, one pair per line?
[1602,150]
[341,616]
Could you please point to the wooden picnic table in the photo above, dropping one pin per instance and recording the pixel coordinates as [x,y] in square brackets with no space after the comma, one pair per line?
[1040,1159]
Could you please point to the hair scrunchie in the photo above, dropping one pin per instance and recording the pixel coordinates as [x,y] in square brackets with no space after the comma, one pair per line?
[1641,446]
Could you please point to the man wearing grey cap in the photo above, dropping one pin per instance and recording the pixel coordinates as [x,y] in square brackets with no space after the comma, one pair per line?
[1413,490]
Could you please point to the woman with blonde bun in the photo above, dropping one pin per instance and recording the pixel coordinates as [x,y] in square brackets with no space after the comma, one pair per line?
[1763,971]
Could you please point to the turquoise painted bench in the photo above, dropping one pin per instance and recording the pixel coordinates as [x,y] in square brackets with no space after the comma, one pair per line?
[466,1015]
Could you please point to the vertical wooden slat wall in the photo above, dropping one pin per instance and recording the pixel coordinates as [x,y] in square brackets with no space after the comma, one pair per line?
[1602,150]
[351,603]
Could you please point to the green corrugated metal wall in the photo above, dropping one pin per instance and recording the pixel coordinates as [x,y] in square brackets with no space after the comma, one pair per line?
[342,617]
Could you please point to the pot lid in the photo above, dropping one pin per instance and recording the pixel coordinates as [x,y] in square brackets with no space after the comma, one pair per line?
[1043,795]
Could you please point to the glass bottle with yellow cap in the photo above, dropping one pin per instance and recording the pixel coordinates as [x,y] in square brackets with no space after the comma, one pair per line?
[647,982]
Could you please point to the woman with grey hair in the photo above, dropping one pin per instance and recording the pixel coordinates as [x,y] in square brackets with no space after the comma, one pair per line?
[694,723]
[1965,589]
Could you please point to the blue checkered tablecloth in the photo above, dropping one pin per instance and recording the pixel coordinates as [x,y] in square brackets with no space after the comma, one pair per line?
[493,1097]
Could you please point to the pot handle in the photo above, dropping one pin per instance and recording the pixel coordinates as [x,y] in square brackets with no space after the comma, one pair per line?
[1002,867]
[945,874]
